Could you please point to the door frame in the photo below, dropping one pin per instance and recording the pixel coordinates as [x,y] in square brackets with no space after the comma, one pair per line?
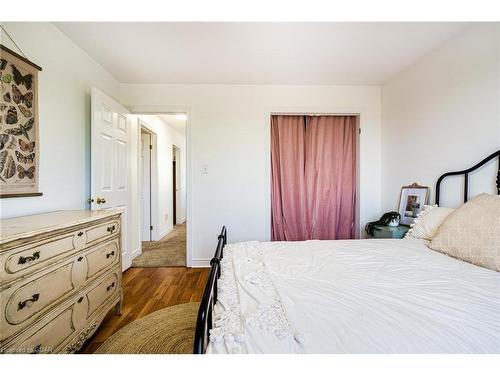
[301,111]
[145,184]
[154,195]
[165,109]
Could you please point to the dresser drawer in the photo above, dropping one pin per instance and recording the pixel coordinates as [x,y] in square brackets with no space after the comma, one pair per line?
[102,257]
[102,231]
[25,301]
[63,324]
[103,291]
[100,297]
[32,257]
[45,337]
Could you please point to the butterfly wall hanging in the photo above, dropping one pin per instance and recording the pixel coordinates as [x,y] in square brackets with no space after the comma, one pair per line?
[19,145]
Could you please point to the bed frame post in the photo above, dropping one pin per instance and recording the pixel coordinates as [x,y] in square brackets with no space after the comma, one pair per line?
[466,187]
[209,299]
[498,178]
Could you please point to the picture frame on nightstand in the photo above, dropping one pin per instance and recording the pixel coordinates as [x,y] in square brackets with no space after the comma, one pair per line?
[412,200]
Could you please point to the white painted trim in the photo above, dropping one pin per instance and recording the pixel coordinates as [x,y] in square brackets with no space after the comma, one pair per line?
[162,109]
[165,232]
[358,232]
[356,111]
[126,262]
[144,173]
[136,252]
[155,236]
[200,263]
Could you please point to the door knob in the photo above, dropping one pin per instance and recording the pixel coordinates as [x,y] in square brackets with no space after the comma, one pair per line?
[100,200]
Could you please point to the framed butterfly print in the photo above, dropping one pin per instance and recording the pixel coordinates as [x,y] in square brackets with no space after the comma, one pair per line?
[19,147]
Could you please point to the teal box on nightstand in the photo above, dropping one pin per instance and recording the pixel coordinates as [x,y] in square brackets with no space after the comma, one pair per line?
[383,231]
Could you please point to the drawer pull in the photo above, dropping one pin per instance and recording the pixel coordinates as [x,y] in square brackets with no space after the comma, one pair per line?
[35,256]
[21,305]
[80,234]
[111,228]
[110,254]
[111,286]
[80,259]
[80,300]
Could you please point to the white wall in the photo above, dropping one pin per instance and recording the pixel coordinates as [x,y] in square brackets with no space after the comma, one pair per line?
[64,110]
[166,136]
[443,114]
[228,130]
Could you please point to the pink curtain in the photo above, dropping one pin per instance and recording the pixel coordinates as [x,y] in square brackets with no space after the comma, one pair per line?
[313,162]
[330,174]
[288,180]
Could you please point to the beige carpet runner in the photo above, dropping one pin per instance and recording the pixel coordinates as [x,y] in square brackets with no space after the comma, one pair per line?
[166,331]
[170,251]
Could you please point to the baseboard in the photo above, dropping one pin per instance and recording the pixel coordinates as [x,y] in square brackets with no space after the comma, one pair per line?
[165,232]
[135,253]
[200,263]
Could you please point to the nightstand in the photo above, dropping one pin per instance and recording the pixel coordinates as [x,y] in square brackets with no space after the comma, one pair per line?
[381,231]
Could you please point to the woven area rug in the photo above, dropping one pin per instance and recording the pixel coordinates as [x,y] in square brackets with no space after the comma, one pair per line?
[166,331]
[170,251]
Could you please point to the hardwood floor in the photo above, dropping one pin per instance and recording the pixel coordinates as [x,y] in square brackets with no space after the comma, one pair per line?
[149,289]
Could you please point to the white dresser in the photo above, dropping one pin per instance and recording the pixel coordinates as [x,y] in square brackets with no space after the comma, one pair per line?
[60,276]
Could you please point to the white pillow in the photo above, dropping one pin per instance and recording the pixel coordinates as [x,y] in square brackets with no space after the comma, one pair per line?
[427,222]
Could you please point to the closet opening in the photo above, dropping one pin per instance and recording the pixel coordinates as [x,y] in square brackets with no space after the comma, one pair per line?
[314,176]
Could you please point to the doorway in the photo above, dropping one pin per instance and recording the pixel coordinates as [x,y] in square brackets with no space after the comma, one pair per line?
[162,190]
[145,155]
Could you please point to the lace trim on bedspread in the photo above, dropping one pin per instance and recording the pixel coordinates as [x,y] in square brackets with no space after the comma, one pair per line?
[269,316]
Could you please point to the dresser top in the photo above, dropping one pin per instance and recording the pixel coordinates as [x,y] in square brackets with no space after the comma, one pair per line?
[27,226]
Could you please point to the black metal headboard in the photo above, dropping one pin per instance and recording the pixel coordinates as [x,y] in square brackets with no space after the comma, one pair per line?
[466,176]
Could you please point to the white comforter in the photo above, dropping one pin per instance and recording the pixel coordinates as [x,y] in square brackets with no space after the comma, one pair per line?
[366,296]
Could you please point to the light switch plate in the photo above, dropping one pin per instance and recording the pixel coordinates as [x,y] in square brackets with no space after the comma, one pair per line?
[204,169]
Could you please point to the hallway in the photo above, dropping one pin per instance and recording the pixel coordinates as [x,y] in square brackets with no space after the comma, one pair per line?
[170,251]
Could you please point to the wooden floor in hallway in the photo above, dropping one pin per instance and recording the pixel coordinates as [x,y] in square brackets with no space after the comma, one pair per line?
[146,290]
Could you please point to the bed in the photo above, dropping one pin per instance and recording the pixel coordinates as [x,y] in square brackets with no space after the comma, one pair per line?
[355,296]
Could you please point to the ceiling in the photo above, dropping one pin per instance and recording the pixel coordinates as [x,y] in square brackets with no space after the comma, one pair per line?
[178,125]
[258,53]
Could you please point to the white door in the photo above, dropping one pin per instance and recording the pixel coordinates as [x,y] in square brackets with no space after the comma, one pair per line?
[110,149]
[145,187]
